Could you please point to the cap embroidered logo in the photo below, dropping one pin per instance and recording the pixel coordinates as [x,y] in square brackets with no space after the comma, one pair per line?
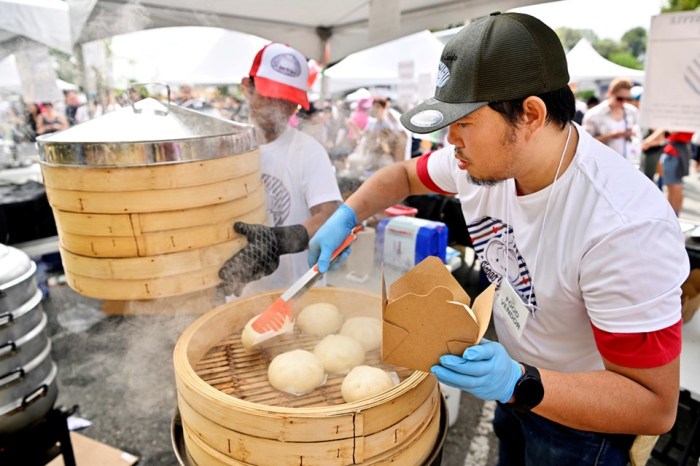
[443,75]
[286,64]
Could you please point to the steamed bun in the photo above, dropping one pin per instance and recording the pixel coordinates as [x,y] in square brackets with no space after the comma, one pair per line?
[319,319]
[366,330]
[296,372]
[339,353]
[363,382]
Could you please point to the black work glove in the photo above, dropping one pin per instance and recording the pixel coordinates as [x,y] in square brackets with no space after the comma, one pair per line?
[261,256]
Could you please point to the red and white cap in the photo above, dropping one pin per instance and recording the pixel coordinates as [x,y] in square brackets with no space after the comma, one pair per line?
[281,72]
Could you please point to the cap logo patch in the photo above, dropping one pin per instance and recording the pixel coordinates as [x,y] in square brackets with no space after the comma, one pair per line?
[286,64]
[443,75]
[426,118]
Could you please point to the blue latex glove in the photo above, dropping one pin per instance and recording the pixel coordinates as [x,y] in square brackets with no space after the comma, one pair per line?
[485,370]
[330,236]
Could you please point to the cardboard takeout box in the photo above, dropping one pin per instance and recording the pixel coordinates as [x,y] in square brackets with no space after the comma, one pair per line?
[427,314]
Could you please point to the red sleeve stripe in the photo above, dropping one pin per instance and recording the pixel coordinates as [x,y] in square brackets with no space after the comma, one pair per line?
[640,350]
[424,176]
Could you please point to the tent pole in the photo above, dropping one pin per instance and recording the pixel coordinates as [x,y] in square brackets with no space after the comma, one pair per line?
[324,33]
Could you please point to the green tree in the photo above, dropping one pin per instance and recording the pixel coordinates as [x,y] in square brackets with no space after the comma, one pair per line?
[635,42]
[680,5]
[625,59]
[607,47]
[570,37]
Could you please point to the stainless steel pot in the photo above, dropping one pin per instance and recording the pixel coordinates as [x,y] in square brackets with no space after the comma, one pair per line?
[18,322]
[146,133]
[17,282]
[16,383]
[17,353]
[32,405]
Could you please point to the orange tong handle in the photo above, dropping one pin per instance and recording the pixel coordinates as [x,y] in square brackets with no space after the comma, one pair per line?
[344,245]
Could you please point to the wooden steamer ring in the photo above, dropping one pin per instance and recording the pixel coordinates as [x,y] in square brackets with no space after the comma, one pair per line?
[232,416]
[152,231]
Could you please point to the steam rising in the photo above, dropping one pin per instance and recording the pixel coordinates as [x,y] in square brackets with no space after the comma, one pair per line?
[131,17]
[119,369]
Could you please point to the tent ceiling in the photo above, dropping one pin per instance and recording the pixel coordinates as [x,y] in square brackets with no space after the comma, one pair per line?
[299,23]
[25,24]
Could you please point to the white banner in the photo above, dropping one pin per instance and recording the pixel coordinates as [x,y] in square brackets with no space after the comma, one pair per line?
[671,97]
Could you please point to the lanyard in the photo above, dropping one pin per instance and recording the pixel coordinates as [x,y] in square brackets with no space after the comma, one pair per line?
[544,222]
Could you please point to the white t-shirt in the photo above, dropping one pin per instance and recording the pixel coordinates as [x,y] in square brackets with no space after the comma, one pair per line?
[611,254]
[297,175]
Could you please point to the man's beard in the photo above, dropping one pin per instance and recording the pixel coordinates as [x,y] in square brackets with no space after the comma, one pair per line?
[486,182]
[510,138]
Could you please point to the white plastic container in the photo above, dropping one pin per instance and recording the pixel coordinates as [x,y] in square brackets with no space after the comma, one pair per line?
[452,397]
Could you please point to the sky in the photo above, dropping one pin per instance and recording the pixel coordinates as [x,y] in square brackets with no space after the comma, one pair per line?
[609,19]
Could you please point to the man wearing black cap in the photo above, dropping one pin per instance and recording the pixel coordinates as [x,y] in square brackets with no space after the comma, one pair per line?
[589,331]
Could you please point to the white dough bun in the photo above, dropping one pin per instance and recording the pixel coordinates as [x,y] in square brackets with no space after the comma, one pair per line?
[296,372]
[319,319]
[339,353]
[364,382]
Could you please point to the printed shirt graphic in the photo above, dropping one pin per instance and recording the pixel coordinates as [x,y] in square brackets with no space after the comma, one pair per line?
[278,201]
[494,243]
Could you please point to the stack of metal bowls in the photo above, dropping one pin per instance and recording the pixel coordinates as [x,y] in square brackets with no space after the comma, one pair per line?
[28,387]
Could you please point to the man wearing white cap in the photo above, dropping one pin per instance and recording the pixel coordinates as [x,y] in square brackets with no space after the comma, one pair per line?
[300,186]
[589,330]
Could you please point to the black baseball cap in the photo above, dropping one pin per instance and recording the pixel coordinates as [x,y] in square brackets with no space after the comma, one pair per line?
[503,56]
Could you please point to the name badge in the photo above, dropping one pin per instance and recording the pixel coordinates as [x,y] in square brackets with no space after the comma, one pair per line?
[513,308]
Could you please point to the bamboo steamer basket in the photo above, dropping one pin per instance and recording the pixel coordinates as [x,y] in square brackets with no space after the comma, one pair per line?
[232,416]
[145,198]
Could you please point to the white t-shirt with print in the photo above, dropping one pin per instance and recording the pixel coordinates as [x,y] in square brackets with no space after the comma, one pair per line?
[297,175]
[611,253]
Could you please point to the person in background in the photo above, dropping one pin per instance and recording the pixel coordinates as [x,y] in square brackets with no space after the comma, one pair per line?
[358,120]
[581,106]
[613,121]
[49,121]
[675,163]
[30,121]
[591,102]
[76,110]
[636,95]
[300,185]
[589,335]
[652,147]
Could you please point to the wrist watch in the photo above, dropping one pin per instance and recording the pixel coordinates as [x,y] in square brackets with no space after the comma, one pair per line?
[528,391]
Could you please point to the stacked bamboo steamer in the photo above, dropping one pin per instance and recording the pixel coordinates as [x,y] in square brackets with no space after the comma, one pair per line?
[232,416]
[145,197]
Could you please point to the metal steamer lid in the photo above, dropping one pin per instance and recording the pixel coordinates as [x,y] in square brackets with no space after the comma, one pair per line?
[147,132]
[15,266]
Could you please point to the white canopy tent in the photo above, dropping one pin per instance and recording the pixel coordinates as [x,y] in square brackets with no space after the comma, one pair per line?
[321,29]
[379,65]
[27,23]
[587,65]
[183,55]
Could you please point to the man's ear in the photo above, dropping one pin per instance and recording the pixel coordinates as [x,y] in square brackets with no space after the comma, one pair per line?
[534,115]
